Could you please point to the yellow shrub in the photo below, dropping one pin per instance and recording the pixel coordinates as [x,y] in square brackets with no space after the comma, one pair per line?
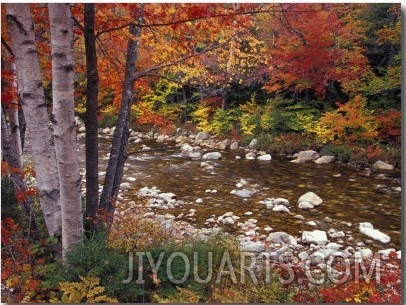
[350,122]
[87,291]
[249,117]
[183,295]
[203,115]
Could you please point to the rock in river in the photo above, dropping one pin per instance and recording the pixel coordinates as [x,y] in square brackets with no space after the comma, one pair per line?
[244,193]
[315,236]
[281,238]
[253,143]
[307,155]
[325,159]
[266,157]
[125,186]
[383,165]
[280,208]
[203,135]
[311,198]
[212,156]
[367,229]
[305,205]
[281,201]
[250,156]
[251,246]
[234,145]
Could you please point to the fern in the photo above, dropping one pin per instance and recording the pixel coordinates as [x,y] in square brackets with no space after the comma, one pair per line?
[87,291]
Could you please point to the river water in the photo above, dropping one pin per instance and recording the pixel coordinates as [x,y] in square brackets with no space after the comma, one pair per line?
[349,194]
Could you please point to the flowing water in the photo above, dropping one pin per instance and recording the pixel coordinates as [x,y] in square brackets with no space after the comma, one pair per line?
[349,194]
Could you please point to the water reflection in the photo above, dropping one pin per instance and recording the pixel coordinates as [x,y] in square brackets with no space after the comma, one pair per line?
[349,194]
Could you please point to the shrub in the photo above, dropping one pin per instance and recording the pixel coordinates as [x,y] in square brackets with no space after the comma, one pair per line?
[182,295]
[132,232]
[108,117]
[94,259]
[249,117]
[202,115]
[349,123]
[86,291]
[224,121]
[9,204]
[163,285]
[389,126]
[386,290]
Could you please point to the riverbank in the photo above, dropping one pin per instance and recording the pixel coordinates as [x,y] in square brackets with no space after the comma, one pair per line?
[248,218]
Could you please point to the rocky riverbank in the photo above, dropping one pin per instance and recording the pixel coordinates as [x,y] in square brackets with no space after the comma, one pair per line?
[321,238]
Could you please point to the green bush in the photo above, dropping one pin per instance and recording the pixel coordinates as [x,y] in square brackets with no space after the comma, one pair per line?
[94,258]
[343,153]
[108,120]
[164,285]
[9,204]
[224,121]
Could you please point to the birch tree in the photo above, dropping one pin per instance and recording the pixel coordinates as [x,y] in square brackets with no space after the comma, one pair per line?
[21,27]
[16,173]
[63,119]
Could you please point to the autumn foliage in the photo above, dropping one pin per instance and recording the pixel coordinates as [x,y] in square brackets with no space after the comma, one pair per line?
[294,75]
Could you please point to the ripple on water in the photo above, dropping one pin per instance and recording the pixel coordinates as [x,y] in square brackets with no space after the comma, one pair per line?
[348,195]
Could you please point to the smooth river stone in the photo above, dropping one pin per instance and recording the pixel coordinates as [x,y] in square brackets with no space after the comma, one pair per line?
[367,229]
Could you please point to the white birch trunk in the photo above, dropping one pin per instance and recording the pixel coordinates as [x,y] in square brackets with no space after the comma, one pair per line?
[63,118]
[21,27]
[14,123]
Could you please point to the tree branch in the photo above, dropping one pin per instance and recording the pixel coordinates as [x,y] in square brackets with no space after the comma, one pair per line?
[185,58]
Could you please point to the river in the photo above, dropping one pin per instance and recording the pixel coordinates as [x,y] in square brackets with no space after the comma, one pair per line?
[350,195]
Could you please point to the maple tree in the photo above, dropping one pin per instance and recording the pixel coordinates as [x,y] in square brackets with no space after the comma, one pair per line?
[314,46]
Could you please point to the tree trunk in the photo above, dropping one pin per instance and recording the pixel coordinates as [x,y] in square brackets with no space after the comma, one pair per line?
[22,125]
[120,138]
[32,100]
[16,174]
[91,121]
[15,125]
[63,117]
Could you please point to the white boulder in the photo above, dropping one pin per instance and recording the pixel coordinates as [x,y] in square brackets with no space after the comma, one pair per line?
[266,157]
[367,229]
[325,160]
[212,156]
[281,238]
[383,165]
[311,198]
[280,208]
[316,236]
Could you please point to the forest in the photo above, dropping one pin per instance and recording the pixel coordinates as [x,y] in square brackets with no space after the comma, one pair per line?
[293,76]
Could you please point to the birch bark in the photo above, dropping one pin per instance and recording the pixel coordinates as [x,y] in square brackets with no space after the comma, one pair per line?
[63,118]
[13,160]
[21,27]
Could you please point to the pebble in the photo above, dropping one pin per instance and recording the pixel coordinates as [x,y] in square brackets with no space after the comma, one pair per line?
[300,217]
[335,234]
[250,233]
[281,208]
